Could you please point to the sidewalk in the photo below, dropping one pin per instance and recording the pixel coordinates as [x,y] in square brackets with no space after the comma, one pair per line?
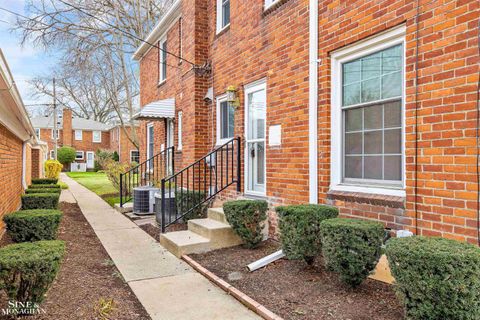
[167,287]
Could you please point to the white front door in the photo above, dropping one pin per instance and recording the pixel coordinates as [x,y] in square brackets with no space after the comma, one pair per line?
[90,159]
[170,142]
[255,131]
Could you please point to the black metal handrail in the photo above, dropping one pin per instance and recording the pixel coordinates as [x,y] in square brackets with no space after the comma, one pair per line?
[188,190]
[148,173]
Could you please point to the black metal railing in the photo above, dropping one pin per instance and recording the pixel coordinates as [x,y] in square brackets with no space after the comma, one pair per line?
[186,192]
[148,173]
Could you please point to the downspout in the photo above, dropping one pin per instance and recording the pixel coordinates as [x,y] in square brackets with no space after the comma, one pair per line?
[313,103]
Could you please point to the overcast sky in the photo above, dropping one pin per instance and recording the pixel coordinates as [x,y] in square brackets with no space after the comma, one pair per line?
[25,62]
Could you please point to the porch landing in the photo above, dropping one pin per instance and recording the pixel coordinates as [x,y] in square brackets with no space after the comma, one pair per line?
[166,286]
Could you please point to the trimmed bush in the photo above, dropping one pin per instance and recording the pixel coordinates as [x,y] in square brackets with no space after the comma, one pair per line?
[53,169]
[300,229]
[351,247]
[247,219]
[28,269]
[436,278]
[40,201]
[50,181]
[42,186]
[43,190]
[33,225]
[186,199]
[62,185]
[66,155]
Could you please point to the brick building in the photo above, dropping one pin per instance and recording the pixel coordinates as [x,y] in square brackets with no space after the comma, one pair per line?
[21,153]
[370,106]
[84,135]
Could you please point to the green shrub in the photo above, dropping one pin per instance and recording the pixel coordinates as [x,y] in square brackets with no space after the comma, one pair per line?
[33,225]
[66,155]
[28,269]
[351,247]
[247,219]
[188,199]
[436,278]
[115,156]
[46,186]
[43,190]
[53,169]
[62,185]
[300,229]
[45,181]
[40,201]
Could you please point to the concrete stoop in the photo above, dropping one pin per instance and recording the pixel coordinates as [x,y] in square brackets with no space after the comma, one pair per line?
[202,235]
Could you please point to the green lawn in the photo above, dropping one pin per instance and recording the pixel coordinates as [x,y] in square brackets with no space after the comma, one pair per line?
[94,181]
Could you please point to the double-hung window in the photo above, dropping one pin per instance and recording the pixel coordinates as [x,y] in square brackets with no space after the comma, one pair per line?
[55,134]
[367,113]
[134,156]
[223,14]
[162,44]
[97,136]
[225,120]
[37,132]
[79,155]
[78,135]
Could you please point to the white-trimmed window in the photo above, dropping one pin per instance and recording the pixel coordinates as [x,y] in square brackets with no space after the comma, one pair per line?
[225,120]
[162,66]
[79,155]
[52,154]
[223,14]
[57,135]
[367,115]
[37,132]
[134,156]
[180,128]
[78,135]
[97,136]
[269,3]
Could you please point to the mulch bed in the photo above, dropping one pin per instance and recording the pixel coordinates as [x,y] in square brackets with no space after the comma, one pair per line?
[154,231]
[294,290]
[87,276]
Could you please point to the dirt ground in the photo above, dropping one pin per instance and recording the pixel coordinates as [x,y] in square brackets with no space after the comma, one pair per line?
[294,290]
[86,278]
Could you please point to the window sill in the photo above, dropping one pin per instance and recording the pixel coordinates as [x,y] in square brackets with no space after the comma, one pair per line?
[222,31]
[161,83]
[220,143]
[272,7]
[394,198]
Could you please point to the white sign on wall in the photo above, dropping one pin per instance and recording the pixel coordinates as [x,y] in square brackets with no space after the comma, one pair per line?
[275,135]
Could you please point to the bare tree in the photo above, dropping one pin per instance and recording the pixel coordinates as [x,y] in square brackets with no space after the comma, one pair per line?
[95,39]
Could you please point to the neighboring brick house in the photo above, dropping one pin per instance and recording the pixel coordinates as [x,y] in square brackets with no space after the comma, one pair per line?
[370,106]
[84,135]
[120,142]
[21,153]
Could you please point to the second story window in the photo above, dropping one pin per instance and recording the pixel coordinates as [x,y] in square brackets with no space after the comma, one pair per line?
[162,44]
[55,135]
[97,136]
[78,135]
[37,132]
[223,14]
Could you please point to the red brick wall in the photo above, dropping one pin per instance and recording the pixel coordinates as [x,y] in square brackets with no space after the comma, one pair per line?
[441,181]
[448,66]
[67,127]
[37,163]
[10,171]
[119,142]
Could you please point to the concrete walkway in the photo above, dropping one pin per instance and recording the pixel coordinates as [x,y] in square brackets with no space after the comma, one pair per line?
[166,286]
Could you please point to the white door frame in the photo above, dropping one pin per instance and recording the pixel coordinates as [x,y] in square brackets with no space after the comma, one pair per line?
[250,88]
[93,159]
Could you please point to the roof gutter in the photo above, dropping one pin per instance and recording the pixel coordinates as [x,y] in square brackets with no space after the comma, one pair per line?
[313,103]
[159,30]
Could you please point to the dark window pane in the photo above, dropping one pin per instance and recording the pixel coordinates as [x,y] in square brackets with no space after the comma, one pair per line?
[393,141]
[353,143]
[393,167]
[226,13]
[353,167]
[373,117]
[373,142]
[393,114]
[231,121]
[373,167]
[353,120]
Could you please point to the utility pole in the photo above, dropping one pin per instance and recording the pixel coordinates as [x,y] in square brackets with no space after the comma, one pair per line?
[55,128]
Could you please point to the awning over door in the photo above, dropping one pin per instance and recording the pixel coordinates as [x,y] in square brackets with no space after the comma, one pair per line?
[157,110]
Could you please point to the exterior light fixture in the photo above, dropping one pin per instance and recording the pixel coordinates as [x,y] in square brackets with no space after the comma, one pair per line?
[232,97]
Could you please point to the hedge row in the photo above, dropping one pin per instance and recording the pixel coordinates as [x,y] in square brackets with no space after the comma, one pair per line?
[33,225]
[40,201]
[43,190]
[45,181]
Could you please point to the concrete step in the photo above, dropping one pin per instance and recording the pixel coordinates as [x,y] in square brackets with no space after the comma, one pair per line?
[221,235]
[184,242]
[217,214]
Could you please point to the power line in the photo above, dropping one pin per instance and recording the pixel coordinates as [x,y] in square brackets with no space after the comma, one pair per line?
[126,32]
